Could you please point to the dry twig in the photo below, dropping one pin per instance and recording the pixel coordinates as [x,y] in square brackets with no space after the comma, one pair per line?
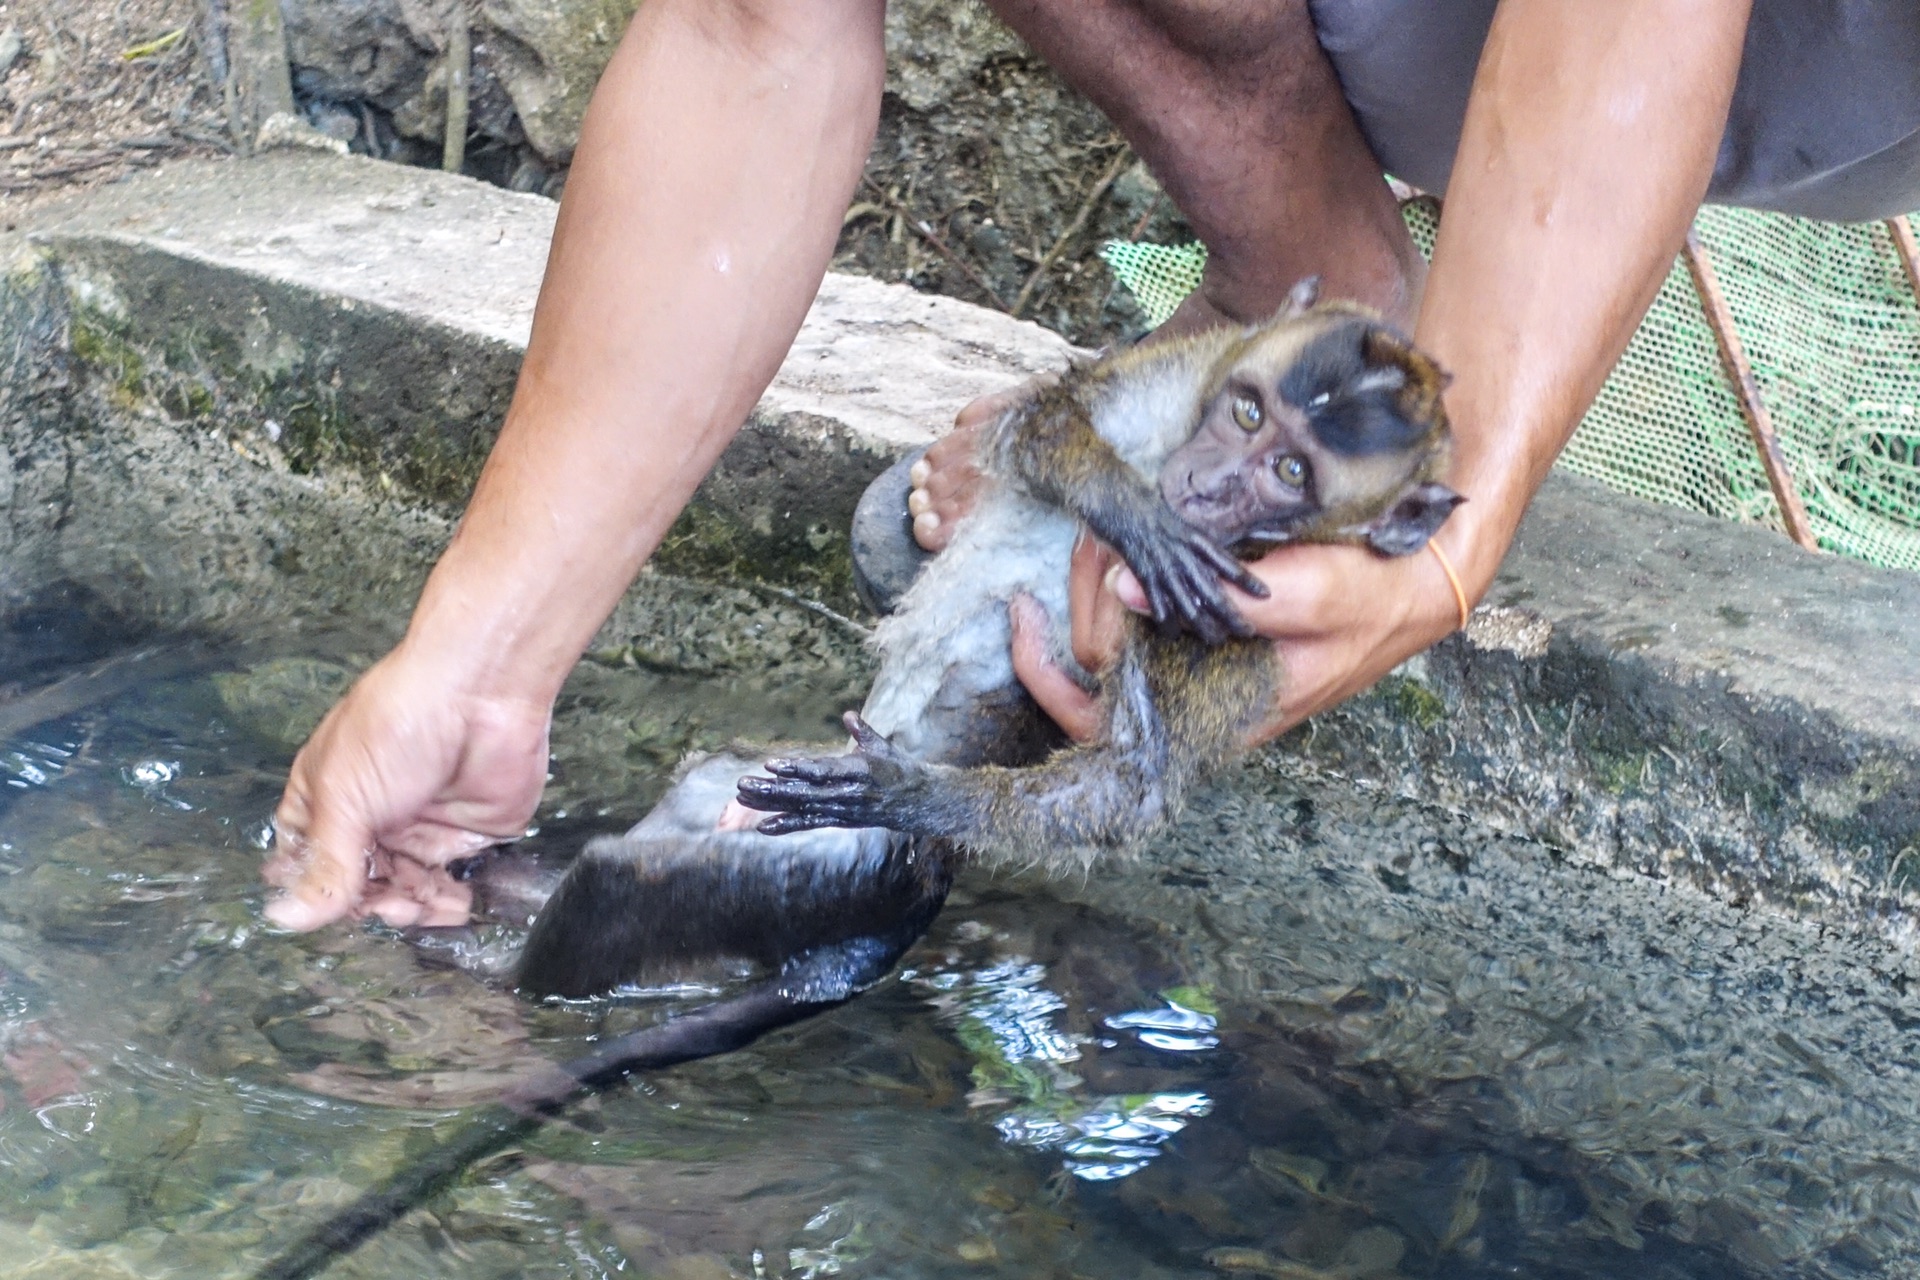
[926,232]
[1078,224]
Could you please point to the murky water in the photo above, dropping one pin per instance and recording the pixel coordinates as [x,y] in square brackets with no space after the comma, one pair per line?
[1324,1035]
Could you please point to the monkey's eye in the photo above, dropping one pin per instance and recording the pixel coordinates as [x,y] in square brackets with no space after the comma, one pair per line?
[1292,470]
[1247,414]
[1320,399]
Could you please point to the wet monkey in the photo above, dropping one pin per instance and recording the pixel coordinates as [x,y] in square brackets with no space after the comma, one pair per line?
[1322,425]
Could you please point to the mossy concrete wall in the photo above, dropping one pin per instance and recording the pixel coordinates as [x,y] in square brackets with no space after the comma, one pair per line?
[265,387]
[330,343]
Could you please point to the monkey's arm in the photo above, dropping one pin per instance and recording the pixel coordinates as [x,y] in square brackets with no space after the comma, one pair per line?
[1050,446]
[1177,708]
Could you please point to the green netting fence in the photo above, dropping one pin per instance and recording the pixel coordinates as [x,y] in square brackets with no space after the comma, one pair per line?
[1830,325]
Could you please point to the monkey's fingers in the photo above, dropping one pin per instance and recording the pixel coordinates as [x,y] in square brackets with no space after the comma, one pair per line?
[794,794]
[786,824]
[1180,569]
[1159,577]
[867,740]
[1201,605]
[1232,569]
[816,769]
[1212,615]
[855,811]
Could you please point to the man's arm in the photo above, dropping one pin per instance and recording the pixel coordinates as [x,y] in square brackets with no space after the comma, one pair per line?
[721,149]
[1589,140]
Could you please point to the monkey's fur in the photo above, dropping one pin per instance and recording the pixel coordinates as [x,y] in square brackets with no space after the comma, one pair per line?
[1321,425]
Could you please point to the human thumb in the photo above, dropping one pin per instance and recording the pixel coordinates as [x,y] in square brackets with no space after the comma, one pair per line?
[322,872]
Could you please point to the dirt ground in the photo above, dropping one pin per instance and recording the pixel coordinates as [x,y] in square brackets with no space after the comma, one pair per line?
[999,193]
[92,92]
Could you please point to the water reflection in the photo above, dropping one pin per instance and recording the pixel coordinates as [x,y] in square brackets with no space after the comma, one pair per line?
[1174,1028]
[34,764]
[1008,1018]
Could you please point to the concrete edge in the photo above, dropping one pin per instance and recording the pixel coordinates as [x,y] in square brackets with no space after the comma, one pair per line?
[1649,690]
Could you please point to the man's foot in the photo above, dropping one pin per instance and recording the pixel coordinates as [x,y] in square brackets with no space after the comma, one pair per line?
[910,510]
[886,559]
[946,479]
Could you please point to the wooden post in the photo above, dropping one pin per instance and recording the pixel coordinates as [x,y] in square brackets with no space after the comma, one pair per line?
[1734,360]
[459,88]
[219,38]
[257,57]
[1909,251]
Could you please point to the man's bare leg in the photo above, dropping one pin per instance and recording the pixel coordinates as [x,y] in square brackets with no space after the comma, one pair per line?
[1236,109]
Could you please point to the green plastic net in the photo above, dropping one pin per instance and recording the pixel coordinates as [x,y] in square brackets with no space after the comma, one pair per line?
[1831,327]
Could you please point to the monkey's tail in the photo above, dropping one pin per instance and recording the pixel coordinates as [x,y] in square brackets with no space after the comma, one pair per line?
[807,985]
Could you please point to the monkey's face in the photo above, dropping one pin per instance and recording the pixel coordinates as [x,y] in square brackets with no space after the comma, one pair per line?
[1323,426]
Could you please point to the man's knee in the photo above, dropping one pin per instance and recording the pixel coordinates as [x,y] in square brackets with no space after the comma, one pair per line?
[1213,30]
[772,27]
[1230,30]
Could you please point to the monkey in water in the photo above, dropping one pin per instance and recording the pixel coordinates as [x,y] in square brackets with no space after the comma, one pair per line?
[1321,425]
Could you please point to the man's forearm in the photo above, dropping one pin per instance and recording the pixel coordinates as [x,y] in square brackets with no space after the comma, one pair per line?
[714,165]
[1588,144]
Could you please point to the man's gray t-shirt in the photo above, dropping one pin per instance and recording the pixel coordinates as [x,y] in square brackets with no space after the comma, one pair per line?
[1825,119]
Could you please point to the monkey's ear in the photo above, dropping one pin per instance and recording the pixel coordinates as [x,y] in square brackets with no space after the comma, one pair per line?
[1383,347]
[1301,297]
[1404,528]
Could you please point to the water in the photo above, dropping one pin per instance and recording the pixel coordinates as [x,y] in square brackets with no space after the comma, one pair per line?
[1322,1034]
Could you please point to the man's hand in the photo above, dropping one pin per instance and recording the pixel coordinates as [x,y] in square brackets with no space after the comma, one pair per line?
[1340,618]
[406,774]
[674,285]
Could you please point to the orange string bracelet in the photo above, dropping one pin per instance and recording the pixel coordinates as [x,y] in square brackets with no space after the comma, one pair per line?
[1453,580]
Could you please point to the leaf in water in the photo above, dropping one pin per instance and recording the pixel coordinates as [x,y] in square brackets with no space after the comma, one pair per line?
[1198,999]
[1254,1262]
[1277,1167]
[1465,1213]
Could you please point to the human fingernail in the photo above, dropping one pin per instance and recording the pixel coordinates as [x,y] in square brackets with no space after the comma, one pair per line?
[289,912]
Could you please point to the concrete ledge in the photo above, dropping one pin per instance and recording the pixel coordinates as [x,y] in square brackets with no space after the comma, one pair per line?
[1657,690]
[222,364]
[374,315]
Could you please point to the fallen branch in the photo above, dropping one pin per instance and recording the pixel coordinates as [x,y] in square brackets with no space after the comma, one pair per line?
[1079,223]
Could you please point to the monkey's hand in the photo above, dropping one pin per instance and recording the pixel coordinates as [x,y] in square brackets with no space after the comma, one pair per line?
[1180,569]
[877,785]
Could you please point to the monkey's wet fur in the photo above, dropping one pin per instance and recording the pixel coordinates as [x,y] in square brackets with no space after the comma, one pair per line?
[1321,425]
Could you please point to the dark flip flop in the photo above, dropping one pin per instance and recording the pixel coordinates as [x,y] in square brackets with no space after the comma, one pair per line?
[886,559]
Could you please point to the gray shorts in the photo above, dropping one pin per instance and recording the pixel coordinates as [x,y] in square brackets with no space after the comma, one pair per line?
[1825,120]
